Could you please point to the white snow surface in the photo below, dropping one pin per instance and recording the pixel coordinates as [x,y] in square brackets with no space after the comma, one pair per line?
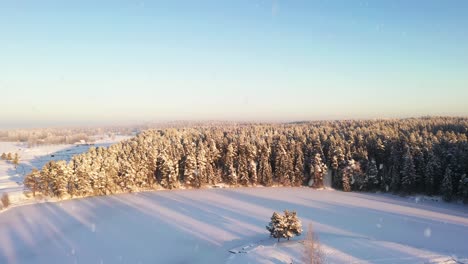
[202,226]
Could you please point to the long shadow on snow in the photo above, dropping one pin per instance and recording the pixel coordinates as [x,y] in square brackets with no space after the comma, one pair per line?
[348,218]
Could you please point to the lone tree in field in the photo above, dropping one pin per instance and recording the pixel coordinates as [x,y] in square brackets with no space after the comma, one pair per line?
[277,226]
[286,226]
[293,224]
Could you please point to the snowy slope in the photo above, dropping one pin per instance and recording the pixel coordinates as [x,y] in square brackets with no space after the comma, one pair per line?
[11,178]
[201,226]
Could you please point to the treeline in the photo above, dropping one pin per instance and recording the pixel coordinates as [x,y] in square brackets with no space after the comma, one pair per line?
[52,136]
[423,155]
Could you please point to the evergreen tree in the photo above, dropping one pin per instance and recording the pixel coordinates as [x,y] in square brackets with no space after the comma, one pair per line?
[277,226]
[229,165]
[190,165]
[317,170]
[264,168]
[408,173]
[463,188]
[293,224]
[431,172]
[447,188]
[346,174]
[298,173]
[32,181]
[201,165]
[372,175]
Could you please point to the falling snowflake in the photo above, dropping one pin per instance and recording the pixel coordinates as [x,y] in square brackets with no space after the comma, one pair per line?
[427,232]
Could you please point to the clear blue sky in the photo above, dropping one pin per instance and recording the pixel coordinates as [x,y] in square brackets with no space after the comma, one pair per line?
[86,62]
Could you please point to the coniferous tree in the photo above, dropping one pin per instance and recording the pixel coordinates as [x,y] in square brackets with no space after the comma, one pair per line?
[408,173]
[317,170]
[346,175]
[190,166]
[372,175]
[229,165]
[277,226]
[293,224]
[33,181]
[463,188]
[430,174]
[201,165]
[264,170]
[447,187]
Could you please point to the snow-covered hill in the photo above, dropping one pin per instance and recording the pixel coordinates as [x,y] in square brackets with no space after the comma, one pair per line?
[202,226]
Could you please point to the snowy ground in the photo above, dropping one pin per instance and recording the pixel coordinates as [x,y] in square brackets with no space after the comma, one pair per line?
[201,226]
[11,178]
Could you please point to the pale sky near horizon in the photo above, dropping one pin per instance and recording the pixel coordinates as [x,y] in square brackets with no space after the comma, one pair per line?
[92,62]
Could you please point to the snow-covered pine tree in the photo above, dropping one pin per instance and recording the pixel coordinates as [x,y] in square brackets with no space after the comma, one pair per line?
[190,165]
[229,169]
[463,188]
[447,187]
[213,155]
[63,175]
[277,226]
[201,165]
[431,172]
[264,167]
[317,170]
[408,173]
[298,173]
[251,152]
[293,224]
[33,181]
[420,167]
[283,166]
[371,174]
[242,165]
[346,175]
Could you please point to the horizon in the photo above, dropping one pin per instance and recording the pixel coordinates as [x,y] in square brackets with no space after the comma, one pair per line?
[154,124]
[131,63]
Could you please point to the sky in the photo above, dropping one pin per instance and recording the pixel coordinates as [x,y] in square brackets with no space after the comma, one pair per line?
[112,62]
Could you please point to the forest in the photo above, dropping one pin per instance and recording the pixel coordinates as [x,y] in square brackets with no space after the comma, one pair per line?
[426,155]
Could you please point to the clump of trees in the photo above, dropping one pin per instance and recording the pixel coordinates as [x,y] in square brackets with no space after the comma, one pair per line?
[284,226]
[406,156]
[12,158]
[5,199]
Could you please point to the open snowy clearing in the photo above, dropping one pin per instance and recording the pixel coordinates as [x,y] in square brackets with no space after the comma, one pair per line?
[202,226]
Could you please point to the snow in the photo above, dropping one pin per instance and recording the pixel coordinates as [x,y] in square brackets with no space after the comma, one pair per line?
[203,226]
[11,179]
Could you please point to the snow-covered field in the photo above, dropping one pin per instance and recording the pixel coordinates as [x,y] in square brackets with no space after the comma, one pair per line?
[202,226]
[11,178]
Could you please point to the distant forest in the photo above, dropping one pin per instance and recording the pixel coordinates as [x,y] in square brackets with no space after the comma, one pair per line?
[404,156]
